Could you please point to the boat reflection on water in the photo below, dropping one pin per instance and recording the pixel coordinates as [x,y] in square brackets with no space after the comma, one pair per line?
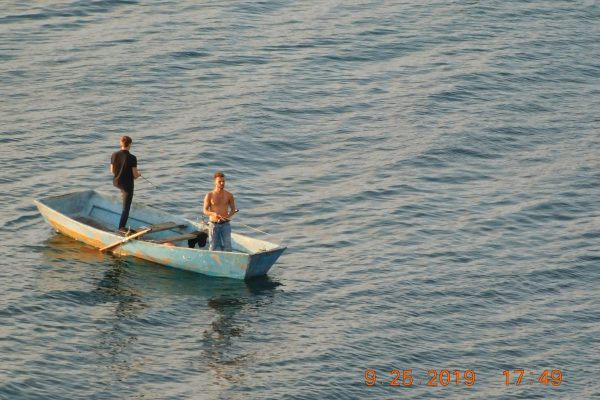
[234,313]
[128,299]
[128,295]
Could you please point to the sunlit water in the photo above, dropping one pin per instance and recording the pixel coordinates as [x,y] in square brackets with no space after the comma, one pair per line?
[432,167]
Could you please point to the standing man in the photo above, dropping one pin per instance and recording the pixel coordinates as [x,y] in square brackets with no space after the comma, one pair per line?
[219,206]
[123,166]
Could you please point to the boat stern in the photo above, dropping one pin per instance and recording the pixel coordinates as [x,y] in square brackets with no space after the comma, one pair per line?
[261,263]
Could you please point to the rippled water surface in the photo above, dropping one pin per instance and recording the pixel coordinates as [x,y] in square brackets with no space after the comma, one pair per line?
[433,168]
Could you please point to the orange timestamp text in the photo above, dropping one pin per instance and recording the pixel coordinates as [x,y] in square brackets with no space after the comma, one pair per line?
[519,377]
[434,377]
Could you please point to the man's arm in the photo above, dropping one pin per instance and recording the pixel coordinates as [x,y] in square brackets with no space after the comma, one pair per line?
[231,206]
[136,172]
[112,169]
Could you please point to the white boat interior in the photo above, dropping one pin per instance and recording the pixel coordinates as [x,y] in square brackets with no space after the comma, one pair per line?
[103,212]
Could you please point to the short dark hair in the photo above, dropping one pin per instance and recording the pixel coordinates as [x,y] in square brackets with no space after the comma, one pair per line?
[126,141]
[218,174]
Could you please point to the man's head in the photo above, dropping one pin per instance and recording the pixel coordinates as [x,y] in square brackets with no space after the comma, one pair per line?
[125,142]
[219,179]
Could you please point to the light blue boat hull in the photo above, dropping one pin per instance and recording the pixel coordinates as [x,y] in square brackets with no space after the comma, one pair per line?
[92,218]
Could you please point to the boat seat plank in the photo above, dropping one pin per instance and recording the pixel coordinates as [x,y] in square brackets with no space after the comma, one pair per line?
[177,238]
[165,226]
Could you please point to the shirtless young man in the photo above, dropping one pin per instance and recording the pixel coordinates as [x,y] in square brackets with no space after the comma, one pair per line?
[219,205]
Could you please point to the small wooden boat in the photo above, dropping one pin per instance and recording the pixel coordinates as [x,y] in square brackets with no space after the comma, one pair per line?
[92,217]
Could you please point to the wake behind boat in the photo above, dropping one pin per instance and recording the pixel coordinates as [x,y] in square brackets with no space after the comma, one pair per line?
[92,218]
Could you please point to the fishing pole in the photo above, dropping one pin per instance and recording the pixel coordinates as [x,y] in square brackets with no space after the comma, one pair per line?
[147,180]
[204,221]
[247,226]
[230,215]
[257,230]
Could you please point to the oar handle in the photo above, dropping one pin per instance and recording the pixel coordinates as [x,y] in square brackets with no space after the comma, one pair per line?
[126,239]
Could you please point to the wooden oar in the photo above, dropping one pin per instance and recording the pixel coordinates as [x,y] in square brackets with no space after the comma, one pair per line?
[153,228]
[128,238]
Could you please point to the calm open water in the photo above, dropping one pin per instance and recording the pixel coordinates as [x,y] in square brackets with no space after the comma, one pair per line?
[432,166]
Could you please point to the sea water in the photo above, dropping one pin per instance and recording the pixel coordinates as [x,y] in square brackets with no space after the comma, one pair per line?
[433,168]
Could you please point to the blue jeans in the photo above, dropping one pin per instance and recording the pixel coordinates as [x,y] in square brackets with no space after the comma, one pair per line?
[219,236]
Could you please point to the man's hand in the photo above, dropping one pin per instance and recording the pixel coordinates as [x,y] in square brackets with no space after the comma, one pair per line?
[221,218]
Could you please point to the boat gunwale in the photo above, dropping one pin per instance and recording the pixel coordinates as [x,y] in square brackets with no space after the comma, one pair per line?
[159,245]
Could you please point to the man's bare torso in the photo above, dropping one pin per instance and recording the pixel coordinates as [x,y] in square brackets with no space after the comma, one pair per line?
[219,202]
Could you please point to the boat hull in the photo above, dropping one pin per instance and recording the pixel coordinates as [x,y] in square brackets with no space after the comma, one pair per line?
[75,214]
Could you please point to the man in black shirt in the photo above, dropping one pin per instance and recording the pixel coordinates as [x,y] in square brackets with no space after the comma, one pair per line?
[123,166]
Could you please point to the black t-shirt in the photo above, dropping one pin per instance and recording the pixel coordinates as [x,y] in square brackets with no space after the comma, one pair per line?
[123,162]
